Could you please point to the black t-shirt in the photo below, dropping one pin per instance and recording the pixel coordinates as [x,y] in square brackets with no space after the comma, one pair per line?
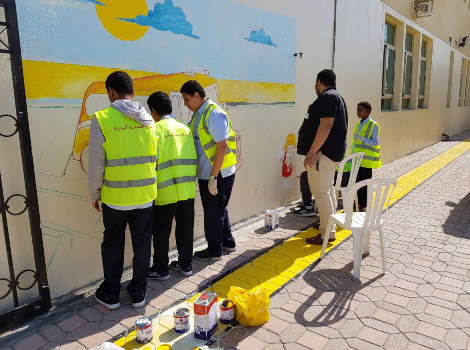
[329,104]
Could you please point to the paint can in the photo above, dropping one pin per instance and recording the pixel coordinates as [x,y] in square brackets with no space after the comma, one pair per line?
[227,311]
[205,315]
[144,330]
[164,347]
[271,219]
[181,317]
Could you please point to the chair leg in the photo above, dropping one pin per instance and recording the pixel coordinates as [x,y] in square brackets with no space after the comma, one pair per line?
[357,252]
[366,243]
[356,203]
[325,238]
[382,247]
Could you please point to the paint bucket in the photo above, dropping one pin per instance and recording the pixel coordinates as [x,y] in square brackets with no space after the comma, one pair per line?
[181,317]
[271,219]
[164,347]
[144,330]
[205,315]
[227,311]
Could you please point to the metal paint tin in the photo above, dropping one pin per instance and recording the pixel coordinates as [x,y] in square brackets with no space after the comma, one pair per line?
[164,347]
[227,311]
[271,219]
[181,317]
[144,330]
[205,315]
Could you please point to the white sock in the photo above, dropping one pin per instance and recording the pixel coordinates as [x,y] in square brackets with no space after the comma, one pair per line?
[309,207]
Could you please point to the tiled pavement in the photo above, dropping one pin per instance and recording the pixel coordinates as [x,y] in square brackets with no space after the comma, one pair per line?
[421,303]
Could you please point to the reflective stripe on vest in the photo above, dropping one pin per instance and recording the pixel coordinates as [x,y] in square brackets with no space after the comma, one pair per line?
[208,143]
[131,161]
[176,170]
[175,181]
[175,162]
[130,183]
[130,176]
[371,157]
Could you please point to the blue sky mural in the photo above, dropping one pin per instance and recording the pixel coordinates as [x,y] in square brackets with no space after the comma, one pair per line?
[96,2]
[260,37]
[165,17]
[183,35]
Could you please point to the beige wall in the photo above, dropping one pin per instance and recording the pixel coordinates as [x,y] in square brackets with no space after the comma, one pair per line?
[360,45]
[451,18]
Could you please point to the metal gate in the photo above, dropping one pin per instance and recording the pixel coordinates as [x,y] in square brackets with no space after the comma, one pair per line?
[20,312]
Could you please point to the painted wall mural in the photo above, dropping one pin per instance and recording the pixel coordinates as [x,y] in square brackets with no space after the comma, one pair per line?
[243,57]
[286,156]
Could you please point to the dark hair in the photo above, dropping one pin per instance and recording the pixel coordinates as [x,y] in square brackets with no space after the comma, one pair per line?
[191,87]
[327,77]
[160,102]
[366,105]
[121,82]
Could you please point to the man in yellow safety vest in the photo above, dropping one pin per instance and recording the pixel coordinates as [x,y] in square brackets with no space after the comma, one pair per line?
[176,186]
[216,159]
[365,139]
[122,174]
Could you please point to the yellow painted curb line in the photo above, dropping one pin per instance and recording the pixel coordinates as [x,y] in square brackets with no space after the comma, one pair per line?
[278,266]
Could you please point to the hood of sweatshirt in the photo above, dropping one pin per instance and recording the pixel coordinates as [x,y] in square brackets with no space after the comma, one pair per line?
[133,110]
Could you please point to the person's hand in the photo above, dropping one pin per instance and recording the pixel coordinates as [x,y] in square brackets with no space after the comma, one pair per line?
[213,187]
[358,137]
[310,159]
[96,205]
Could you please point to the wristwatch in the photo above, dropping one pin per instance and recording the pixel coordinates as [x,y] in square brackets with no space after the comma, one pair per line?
[212,177]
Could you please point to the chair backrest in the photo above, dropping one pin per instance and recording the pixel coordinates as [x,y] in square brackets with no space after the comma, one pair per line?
[355,159]
[375,204]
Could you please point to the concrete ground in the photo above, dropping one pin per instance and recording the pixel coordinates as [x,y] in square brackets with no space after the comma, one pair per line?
[421,303]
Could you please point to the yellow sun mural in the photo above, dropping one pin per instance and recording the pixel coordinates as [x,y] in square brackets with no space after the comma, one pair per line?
[113,10]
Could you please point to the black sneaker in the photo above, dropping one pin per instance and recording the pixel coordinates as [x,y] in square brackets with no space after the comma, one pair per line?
[110,303]
[138,301]
[186,270]
[303,211]
[229,246]
[159,276]
[204,255]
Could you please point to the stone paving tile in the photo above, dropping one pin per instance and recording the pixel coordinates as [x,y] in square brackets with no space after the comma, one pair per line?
[72,323]
[52,333]
[312,341]
[276,325]
[93,339]
[31,343]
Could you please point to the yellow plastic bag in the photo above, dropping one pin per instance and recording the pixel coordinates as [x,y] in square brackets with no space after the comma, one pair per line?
[251,308]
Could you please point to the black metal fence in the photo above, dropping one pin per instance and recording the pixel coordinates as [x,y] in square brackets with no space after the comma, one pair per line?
[19,313]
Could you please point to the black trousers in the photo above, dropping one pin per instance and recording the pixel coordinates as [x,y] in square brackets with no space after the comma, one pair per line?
[216,221]
[362,174]
[183,213]
[305,189]
[112,249]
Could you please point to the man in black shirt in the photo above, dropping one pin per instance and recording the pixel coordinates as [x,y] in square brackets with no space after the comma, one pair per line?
[322,140]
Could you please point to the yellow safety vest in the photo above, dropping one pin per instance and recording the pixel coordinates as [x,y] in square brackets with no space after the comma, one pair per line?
[371,154]
[177,162]
[130,176]
[208,143]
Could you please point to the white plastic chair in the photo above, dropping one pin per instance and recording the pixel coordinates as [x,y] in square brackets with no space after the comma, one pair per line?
[356,159]
[362,223]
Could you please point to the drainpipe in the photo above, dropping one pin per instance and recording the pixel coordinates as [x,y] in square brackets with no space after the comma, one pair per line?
[334,36]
